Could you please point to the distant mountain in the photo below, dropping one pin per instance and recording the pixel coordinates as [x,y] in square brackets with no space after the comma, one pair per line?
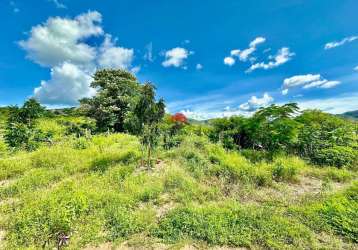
[351,114]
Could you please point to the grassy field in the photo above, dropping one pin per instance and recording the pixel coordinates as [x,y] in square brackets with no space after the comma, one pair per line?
[91,192]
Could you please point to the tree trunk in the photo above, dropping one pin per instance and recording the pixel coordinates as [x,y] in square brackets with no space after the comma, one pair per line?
[149,156]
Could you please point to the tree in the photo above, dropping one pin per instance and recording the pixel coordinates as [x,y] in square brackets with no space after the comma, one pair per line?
[172,129]
[273,128]
[20,129]
[146,118]
[325,138]
[118,92]
[30,111]
[229,131]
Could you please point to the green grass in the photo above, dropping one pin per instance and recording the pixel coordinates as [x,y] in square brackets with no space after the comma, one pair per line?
[231,224]
[95,191]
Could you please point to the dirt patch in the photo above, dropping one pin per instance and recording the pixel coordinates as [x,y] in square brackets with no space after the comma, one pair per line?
[307,185]
[164,209]
[286,193]
[6,183]
[9,201]
[2,238]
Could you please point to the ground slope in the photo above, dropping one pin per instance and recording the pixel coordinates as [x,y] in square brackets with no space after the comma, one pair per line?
[92,193]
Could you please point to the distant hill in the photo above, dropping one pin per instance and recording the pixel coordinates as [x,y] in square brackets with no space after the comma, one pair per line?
[351,114]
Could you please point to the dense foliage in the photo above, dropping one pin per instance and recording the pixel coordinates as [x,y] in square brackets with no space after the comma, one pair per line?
[20,129]
[117,94]
[323,138]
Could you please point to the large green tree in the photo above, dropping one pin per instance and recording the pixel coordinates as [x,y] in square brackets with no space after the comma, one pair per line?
[118,92]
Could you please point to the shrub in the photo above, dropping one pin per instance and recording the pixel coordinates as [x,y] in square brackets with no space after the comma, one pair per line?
[185,188]
[338,156]
[142,187]
[286,169]
[256,156]
[122,221]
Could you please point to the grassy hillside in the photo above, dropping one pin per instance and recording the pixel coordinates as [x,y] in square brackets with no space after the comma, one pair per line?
[92,192]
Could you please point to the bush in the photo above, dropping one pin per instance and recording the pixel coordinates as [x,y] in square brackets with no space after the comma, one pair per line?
[122,221]
[256,156]
[281,172]
[338,156]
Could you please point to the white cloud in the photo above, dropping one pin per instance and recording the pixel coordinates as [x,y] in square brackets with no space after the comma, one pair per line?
[175,57]
[335,44]
[356,68]
[309,81]
[254,102]
[284,92]
[283,56]
[257,41]
[245,55]
[114,57]
[148,55]
[300,80]
[199,66]
[59,44]
[336,105]
[68,84]
[329,84]
[135,69]
[229,61]
[58,4]
[59,40]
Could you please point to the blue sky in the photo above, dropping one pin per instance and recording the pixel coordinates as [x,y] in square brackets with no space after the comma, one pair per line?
[207,58]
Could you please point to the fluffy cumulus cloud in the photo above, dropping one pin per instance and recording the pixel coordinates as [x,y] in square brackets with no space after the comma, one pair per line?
[59,40]
[255,102]
[308,81]
[244,55]
[335,44]
[68,83]
[176,57]
[59,44]
[283,56]
[229,61]
[111,56]
[356,68]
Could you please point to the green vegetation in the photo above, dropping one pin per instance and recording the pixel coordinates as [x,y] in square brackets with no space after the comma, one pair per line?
[280,179]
